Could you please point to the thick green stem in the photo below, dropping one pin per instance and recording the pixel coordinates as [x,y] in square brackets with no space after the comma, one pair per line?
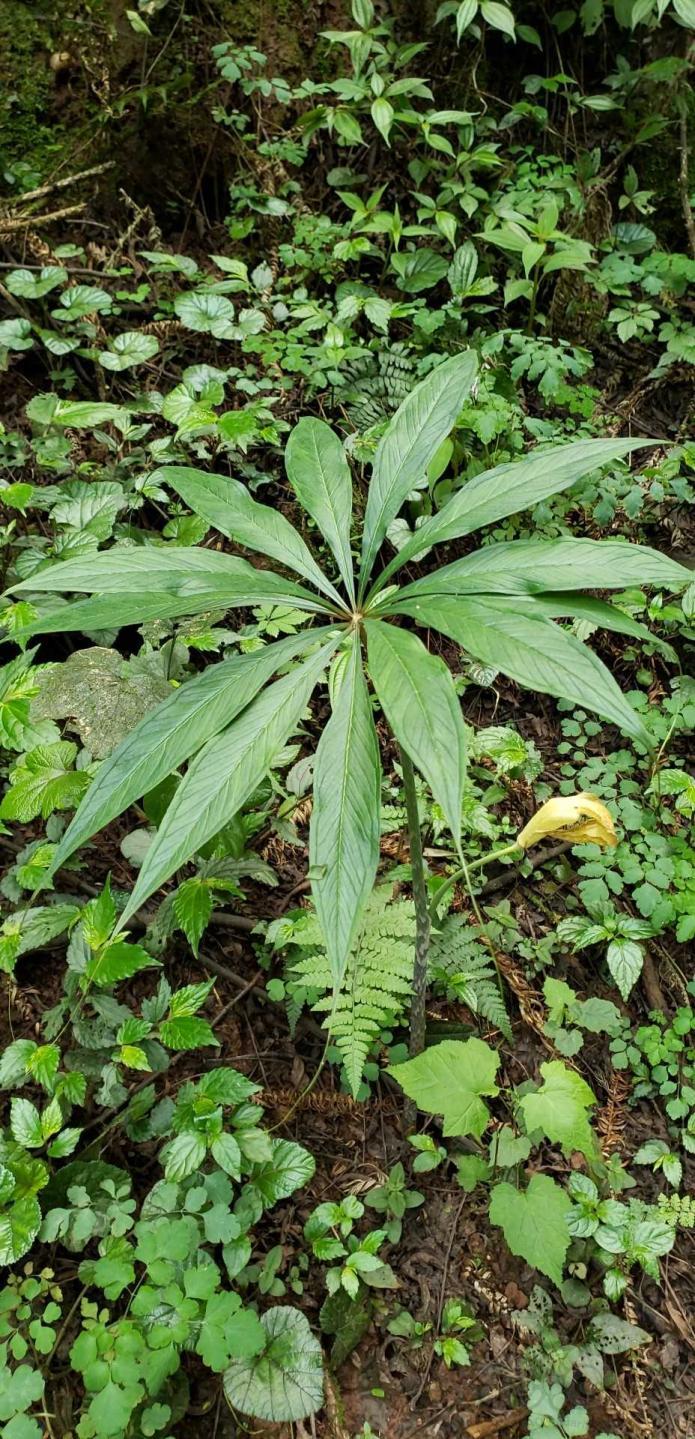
[422,913]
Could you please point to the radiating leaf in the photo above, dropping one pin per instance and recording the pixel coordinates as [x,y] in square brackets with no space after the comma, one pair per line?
[170,569]
[227,504]
[411,440]
[224,773]
[173,732]
[509,488]
[416,692]
[534,652]
[526,566]
[320,477]
[345,819]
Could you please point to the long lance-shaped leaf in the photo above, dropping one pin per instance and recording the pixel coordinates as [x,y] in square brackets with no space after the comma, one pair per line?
[416,692]
[594,612]
[113,611]
[534,652]
[171,733]
[225,772]
[507,489]
[409,444]
[158,567]
[227,504]
[320,477]
[344,833]
[524,566]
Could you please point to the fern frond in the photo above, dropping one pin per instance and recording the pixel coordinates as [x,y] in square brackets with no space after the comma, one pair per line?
[377,983]
[461,963]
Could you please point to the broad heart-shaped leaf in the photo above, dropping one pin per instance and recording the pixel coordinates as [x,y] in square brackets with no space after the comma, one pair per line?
[345,819]
[508,488]
[169,735]
[534,652]
[320,477]
[137,572]
[534,1222]
[416,692]
[559,1109]
[128,349]
[534,567]
[410,442]
[224,773]
[284,1383]
[227,504]
[448,1079]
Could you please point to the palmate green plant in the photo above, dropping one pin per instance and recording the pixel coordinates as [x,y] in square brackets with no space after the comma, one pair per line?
[499,604]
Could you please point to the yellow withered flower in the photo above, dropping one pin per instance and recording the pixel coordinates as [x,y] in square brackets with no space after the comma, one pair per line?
[579,817]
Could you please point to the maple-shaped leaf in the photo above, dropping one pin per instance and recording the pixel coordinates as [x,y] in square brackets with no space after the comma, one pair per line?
[449,1079]
[559,1108]
[534,1222]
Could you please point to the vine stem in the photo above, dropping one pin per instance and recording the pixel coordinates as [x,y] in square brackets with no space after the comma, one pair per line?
[422,912]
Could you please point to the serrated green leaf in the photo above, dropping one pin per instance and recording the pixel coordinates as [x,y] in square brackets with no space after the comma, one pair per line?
[449,1079]
[559,1109]
[534,1222]
[187,1032]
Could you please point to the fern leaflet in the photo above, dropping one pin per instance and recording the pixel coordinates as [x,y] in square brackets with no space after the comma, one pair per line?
[461,964]
[378,980]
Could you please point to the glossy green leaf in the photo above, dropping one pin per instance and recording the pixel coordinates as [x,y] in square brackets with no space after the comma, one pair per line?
[345,819]
[320,477]
[416,692]
[227,504]
[169,735]
[224,773]
[409,444]
[534,652]
[509,488]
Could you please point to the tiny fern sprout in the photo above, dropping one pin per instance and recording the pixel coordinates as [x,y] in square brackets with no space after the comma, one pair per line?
[500,604]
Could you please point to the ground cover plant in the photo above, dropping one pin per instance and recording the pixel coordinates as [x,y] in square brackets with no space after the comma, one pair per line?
[346,805]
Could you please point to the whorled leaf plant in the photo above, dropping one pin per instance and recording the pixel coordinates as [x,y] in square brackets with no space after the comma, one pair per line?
[499,604]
